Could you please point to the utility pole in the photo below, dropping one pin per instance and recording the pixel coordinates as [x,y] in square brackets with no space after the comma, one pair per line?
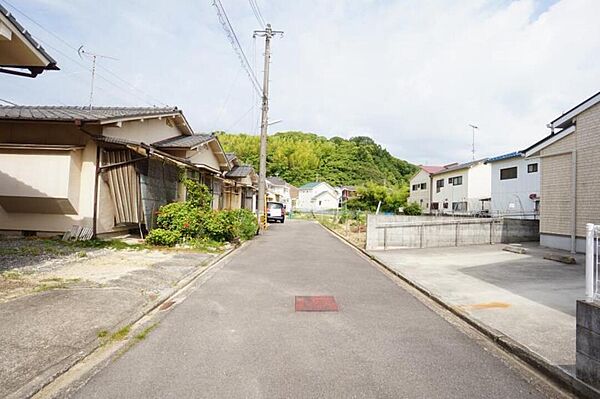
[473,148]
[268,34]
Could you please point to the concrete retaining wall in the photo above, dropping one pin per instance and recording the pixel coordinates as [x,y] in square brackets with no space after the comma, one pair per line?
[391,232]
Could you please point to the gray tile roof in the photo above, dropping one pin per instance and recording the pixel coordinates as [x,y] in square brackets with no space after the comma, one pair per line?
[184,141]
[276,180]
[230,156]
[11,18]
[71,113]
[240,171]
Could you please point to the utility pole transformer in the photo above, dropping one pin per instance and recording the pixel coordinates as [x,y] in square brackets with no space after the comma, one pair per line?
[268,34]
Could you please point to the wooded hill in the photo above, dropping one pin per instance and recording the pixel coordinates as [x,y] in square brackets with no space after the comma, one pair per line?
[300,158]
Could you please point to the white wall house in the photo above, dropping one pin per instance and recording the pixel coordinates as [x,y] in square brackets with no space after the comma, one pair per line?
[515,186]
[462,188]
[278,190]
[420,186]
[317,196]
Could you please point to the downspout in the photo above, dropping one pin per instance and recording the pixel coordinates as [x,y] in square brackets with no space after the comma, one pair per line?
[574,201]
[95,218]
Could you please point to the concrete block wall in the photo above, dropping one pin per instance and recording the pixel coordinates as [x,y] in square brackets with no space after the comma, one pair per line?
[588,343]
[389,232]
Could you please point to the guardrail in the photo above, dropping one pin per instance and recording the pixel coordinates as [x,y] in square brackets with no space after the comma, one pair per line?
[592,257]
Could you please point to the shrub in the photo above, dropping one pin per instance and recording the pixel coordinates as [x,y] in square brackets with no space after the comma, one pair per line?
[181,217]
[198,194]
[413,209]
[163,237]
[248,224]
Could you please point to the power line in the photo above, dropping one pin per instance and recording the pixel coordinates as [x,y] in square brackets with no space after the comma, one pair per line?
[256,12]
[235,43]
[259,13]
[66,43]
[240,118]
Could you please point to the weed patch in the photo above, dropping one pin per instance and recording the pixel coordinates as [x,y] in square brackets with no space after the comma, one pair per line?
[142,335]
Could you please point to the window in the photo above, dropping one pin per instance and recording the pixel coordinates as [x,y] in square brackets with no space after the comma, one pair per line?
[435,206]
[438,185]
[532,168]
[445,205]
[415,187]
[508,173]
[423,186]
[455,181]
[459,206]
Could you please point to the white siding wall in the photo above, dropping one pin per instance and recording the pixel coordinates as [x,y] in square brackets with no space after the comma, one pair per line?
[511,197]
[421,196]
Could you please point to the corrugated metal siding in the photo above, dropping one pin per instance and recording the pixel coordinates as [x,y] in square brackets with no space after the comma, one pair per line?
[124,187]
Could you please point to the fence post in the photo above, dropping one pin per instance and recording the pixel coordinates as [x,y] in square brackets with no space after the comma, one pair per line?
[491,231]
[421,236]
[384,238]
[589,262]
[456,234]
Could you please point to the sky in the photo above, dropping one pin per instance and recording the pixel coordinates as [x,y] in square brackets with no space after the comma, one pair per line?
[413,75]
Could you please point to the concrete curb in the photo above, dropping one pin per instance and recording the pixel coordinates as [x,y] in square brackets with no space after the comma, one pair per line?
[39,382]
[555,373]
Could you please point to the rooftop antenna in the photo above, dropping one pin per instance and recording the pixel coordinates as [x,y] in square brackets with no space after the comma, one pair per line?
[93,56]
[473,149]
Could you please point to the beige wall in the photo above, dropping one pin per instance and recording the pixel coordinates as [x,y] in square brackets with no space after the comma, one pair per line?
[84,163]
[150,131]
[556,203]
[205,156]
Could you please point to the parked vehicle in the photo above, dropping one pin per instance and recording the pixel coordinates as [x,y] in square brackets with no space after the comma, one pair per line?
[275,212]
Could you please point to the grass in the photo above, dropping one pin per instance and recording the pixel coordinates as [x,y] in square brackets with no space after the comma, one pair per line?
[102,334]
[12,275]
[142,335]
[120,334]
[57,247]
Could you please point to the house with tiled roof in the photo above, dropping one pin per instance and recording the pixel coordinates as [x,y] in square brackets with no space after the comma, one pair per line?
[420,186]
[240,185]
[20,54]
[102,169]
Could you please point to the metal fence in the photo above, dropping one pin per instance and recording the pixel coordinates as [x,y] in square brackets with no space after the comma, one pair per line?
[592,257]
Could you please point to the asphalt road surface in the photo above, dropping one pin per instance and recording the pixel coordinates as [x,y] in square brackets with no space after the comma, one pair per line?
[238,335]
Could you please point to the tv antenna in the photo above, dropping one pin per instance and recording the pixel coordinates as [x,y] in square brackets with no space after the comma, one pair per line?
[473,148]
[82,53]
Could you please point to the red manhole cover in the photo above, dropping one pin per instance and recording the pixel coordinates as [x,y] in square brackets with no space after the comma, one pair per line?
[316,304]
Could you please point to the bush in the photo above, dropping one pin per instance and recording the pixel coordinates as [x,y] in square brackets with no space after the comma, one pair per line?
[198,194]
[181,217]
[248,224]
[163,237]
[193,220]
[413,209]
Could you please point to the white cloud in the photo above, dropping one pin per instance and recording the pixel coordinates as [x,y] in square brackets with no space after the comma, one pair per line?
[412,75]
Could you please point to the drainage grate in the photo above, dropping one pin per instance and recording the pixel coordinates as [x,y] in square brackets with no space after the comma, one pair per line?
[316,304]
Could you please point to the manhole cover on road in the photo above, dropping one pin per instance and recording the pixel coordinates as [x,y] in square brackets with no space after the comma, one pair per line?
[316,304]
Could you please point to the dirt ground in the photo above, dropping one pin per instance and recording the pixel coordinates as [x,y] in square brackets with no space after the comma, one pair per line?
[57,300]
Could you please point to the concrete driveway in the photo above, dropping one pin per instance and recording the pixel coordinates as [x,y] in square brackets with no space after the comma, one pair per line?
[238,335]
[524,296]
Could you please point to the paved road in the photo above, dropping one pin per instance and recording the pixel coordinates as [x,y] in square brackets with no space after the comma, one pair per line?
[238,336]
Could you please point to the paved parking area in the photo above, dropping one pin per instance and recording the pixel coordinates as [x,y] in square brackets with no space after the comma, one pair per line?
[528,298]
